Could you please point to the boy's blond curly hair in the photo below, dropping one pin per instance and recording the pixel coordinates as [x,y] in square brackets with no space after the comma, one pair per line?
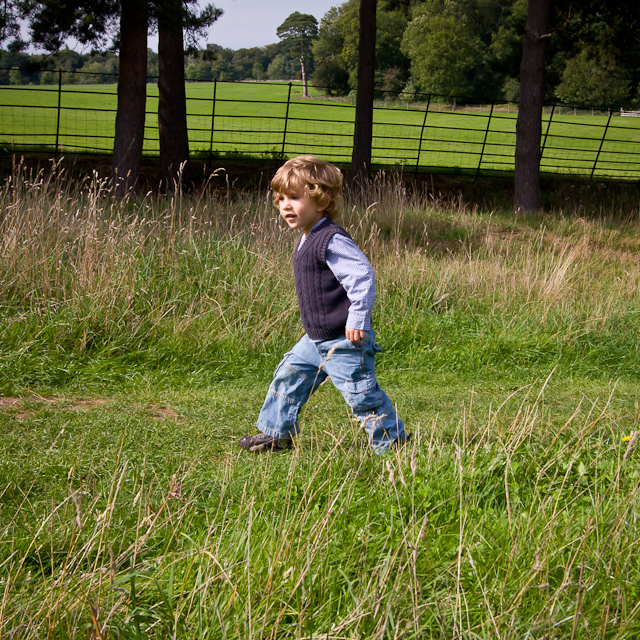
[319,180]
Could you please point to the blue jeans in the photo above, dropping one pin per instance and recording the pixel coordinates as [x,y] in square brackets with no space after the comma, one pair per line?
[351,368]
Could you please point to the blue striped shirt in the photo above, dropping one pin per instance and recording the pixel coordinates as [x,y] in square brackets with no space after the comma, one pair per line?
[353,271]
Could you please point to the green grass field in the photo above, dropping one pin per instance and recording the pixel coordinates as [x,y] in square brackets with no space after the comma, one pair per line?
[138,338]
[249,119]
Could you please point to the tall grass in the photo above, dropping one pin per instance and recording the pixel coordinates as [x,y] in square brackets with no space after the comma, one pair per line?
[86,279]
[137,337]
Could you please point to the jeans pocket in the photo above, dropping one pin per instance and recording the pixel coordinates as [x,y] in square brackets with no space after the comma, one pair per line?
[364,394]
[281,364]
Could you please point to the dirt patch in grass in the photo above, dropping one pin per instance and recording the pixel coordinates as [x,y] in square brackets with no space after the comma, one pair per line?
[24,408]
[27,407]
[8,402]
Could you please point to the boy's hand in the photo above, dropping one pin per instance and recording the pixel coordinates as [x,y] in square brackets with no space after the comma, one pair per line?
[355,335]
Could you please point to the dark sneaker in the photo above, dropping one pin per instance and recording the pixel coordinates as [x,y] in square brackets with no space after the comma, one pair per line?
[262,442]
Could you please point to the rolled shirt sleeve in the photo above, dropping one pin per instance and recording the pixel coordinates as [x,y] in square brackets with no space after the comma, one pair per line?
[354,272]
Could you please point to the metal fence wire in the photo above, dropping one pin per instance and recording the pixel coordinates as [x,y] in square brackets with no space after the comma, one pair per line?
[412,132]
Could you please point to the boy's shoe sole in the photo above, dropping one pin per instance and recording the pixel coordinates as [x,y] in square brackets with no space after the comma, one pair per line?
[261,442]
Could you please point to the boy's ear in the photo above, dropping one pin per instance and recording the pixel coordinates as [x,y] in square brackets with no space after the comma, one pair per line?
[322,203]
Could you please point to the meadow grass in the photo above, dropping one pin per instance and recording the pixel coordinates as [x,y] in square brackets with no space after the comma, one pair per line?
[249,120]
[138,337]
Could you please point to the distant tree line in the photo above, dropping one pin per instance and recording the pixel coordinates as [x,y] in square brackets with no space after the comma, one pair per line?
[43,69]
[455,49]
[272,62]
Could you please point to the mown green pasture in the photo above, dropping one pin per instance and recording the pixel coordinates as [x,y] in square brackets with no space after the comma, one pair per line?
[249,119]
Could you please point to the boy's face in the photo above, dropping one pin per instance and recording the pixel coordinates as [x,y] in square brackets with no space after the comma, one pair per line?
[299,211]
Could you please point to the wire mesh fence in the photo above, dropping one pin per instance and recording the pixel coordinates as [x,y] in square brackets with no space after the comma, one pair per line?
[415,133]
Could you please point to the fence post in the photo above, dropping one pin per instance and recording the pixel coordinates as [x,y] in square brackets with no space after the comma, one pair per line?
[484,142]
[213,119]
[424,122]
[286,120]
[601,143]
[546,133]
[59,109]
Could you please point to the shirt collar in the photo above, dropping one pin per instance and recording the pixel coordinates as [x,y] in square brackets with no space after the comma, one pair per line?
[315,226]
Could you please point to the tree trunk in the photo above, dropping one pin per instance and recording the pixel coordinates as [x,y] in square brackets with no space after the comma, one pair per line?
[132,93]
[172,101]
[529,123]
[303,73]
[363,130]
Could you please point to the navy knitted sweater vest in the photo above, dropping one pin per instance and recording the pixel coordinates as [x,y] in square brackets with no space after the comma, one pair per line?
[323,302]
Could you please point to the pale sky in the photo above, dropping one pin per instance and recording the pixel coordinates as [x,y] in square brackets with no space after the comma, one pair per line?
[253,23]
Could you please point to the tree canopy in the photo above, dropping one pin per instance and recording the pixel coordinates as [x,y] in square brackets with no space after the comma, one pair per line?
[472,49]
[444,51]
[298,30]
[592,77]
[298,27]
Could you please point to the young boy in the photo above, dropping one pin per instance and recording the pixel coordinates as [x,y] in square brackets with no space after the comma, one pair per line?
[336,289]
